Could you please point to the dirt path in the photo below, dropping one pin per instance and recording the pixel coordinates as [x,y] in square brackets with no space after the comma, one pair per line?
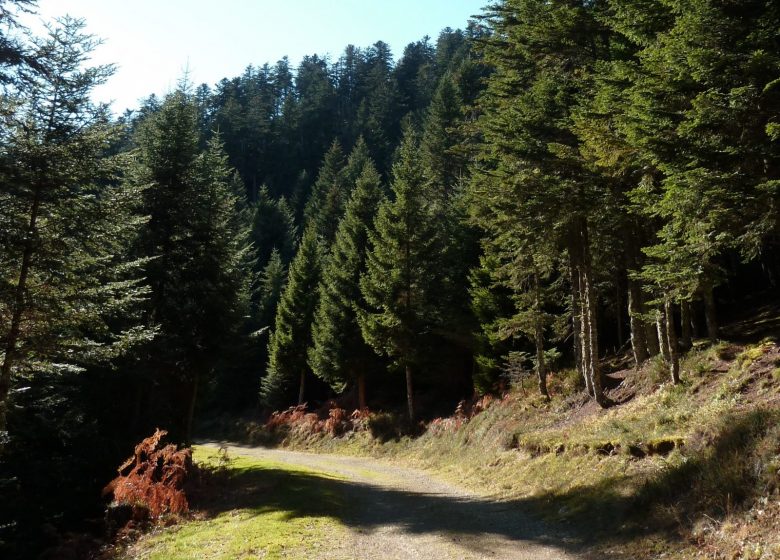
[404,514]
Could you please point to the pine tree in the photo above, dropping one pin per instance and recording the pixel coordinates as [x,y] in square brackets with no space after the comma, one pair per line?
[292,334]
[358,158]
[69,290]
[707,83]
[440,138]
[530,171]
[339,354]
[273,227]
[328,195]
[200,274]
[441,153]
[272,283]
[403,274]
[13,52]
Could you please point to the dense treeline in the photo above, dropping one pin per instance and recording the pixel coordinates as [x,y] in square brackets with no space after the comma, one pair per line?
[561,179]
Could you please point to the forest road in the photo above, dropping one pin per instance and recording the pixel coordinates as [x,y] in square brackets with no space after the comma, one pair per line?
[397,513]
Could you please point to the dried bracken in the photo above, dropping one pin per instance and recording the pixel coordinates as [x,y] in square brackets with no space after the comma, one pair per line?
[331,419]
[153,479]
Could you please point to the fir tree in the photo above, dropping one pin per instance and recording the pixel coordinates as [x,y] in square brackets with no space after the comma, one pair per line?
[272,282]
[707,83]
[403,273]
[339,354]
[200,276]
[440,138]
[69,290]
[292,334]
[531,179]
[359,157]
[328,195]
[273,227]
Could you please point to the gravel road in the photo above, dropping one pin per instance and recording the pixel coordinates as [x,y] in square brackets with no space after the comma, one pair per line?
[405,514]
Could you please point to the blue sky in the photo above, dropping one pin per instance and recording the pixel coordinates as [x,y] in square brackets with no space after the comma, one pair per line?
[153,41]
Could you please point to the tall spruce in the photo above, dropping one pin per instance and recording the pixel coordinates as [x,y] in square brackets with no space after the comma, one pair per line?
[339,354]
[530,170]
[273,227]
[708,82]
[328,196]
[272,282]
[403,277]
[292,334]
[69,289]
[200,273]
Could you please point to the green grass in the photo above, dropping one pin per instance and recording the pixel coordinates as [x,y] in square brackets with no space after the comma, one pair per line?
[644,477]
[254,511]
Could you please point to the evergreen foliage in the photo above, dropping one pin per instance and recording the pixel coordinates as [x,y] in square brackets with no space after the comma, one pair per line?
[273,227]
[292,333]
[329,194]
[272,282]
[199,276]
[339,354]
[69,290]
[403,277]
[587,175]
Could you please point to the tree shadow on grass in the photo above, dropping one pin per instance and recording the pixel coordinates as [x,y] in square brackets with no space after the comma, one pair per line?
[716,473]
[367,507]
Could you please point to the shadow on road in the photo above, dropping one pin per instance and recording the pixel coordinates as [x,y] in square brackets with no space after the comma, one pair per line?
[471,522]
[716,474]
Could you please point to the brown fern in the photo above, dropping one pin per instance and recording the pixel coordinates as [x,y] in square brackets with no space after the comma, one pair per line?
[153,478]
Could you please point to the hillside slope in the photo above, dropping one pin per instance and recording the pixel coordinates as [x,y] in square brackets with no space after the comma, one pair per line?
[681,470]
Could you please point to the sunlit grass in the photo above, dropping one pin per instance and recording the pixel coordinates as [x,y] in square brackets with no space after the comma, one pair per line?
[268,524]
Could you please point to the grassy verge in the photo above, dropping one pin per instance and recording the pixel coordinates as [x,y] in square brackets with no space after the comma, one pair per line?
[680,470]
[250,509]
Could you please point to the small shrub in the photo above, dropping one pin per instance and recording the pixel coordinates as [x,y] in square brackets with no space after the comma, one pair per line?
[296,423]
[752,353]
[360,418]
[153,478]
[385,426]
[657,370]
[338,422]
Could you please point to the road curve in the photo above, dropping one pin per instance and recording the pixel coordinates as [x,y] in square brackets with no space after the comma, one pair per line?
[399,513]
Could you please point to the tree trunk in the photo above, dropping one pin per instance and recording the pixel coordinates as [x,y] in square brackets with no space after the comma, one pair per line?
[362,391]
[302,388]
[585,348]
[592,349]
[541,369]
[619,313]
[191,410]
[12,339]
[579,327]
[709,313]
[651,332]
[409,393]
[589,311]
[663,338]
[686,331]
[576,312]
[671,337]
[638,332]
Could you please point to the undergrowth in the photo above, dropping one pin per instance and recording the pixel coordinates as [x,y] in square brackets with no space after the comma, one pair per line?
[151,482]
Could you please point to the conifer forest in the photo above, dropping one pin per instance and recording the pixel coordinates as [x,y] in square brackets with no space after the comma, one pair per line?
[518,209]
